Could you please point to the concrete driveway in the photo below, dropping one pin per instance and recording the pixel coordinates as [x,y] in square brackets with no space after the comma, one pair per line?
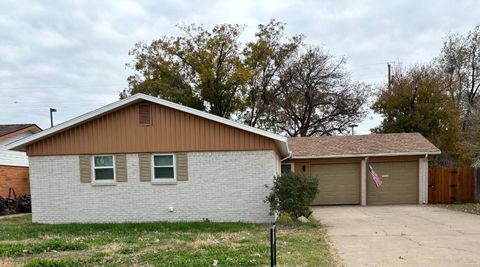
[402,235]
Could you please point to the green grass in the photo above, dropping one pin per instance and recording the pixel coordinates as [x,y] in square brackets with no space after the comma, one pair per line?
[473,208]
[159,244]
[15,249]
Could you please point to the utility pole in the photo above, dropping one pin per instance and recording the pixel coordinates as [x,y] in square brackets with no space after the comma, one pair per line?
[389,74]
[51,116]
[353,128]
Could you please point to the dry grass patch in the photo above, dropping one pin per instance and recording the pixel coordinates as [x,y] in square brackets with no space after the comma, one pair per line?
[203,242]
[158,244]
[7,262]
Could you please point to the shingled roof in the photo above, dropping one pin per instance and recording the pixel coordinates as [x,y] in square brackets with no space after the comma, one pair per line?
[10,128]
[361,145]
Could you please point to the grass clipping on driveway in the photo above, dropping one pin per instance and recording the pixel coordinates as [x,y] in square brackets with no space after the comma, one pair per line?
[473,208]
[24,243]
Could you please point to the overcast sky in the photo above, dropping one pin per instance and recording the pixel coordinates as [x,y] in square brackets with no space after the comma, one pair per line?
[71,55]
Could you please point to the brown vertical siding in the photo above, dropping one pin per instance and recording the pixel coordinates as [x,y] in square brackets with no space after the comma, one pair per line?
[171,131]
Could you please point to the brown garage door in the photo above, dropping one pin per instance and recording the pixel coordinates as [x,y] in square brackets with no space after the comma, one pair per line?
[337,183]
[400,183]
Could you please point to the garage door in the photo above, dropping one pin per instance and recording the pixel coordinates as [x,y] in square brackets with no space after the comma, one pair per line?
[400,183]
[337,183]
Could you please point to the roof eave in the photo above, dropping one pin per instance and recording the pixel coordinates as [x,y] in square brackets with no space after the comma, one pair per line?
[369,155]
[32,127]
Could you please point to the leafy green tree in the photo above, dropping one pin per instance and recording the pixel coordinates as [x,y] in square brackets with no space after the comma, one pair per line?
[417,101]
[202,69]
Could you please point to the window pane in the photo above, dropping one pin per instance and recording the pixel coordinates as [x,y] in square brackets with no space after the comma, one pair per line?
[163,172]
[101,161]
[163,160]
[286,168]
[104,174]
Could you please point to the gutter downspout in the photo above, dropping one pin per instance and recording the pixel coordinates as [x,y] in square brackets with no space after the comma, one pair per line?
[287,157]
[426,179]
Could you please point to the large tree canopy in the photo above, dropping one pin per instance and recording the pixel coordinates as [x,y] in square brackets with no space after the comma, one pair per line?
[268,82]
[316,96]
[201,69]
[416,101]
[266,57]
[460,62]
[441,100]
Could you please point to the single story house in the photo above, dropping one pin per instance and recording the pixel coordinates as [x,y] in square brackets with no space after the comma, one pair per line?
[146,159]
[14,164]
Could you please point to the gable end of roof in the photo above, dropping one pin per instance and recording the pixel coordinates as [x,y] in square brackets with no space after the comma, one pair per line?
[21,144]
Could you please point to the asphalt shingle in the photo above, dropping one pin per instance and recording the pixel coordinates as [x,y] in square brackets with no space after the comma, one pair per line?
[372,144]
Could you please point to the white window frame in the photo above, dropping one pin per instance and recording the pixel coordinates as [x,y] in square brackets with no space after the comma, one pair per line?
[94,178]
[292,166]
[164,180]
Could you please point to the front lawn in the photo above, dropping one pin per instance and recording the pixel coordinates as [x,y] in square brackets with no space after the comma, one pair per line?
[158,244]
[473,208]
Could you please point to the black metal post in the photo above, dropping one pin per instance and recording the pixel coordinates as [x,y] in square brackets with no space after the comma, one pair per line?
[51,116]
[273,246]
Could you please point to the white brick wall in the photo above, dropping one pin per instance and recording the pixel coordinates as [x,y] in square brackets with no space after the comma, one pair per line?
[222,186]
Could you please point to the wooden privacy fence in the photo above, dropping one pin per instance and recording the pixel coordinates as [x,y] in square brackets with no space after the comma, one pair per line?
[451,185]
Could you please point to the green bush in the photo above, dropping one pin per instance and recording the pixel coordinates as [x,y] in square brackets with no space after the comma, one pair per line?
[292,194]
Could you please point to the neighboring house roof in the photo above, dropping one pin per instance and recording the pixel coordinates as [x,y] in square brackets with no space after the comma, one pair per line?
[396,144]
[281,142]
[14,129]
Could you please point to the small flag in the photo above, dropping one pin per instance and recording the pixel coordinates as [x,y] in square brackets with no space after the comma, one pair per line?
[375,177]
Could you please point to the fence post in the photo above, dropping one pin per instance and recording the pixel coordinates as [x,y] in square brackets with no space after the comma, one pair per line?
[273,245]
[477,184]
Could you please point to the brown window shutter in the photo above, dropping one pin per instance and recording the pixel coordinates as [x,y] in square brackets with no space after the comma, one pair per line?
[144,160]
[85,169]
[181,163]
[145,114]
[121,167]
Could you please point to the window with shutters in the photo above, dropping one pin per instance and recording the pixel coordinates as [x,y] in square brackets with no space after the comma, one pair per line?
[145,114]
[103,168]
[163,167]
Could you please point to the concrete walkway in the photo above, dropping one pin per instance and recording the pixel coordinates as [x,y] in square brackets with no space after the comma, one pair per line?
[402,235]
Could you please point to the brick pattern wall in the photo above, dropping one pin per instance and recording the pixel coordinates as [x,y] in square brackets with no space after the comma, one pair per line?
[15,177]
[222,186]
